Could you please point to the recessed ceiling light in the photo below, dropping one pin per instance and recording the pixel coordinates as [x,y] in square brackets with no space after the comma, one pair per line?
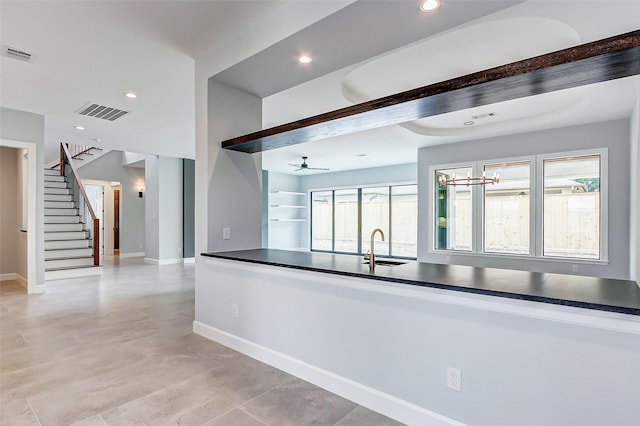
[429,5]
[304,59]
[360,155]
[130,95]
[468,123]
[78,127]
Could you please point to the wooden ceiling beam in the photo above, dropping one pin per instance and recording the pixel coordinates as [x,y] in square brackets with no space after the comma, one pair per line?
[595,62]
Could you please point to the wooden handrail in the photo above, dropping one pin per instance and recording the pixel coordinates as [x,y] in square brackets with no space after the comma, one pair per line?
[65,158]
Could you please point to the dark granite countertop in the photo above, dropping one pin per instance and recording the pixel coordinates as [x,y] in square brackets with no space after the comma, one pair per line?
[570,290]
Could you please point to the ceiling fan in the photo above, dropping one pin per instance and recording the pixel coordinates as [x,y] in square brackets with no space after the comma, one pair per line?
[305,166]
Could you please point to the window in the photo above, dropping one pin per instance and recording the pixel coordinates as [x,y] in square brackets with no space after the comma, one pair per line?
[322,220]
[507,212]
[547,205]
[346,234]
[404,220]
[342,220]
[453,212]
[572,207]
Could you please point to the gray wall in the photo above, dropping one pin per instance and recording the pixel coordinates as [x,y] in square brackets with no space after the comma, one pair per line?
[110,167]
[28,127]
[151,208]
[517,369]
[12,251]
[170,208]
[613,134]
[234,192]
[371,176]
[635,193]
[188,207]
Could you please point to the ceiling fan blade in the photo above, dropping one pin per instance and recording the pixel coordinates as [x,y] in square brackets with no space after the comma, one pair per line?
[294,165]
[297,170]
[317,168]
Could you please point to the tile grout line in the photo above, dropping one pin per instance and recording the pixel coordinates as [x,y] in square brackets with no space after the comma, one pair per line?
[345,416]
[33,411]
[252,416]
[25,339]
[103,420]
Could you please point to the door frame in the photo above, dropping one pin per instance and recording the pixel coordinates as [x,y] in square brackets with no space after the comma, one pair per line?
[31,147]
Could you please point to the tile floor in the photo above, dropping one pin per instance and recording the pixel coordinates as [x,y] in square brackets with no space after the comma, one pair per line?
[118,350]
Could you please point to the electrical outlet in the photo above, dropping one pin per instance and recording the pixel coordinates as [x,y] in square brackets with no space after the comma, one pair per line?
[454,379]
[574,268]
[234,310]
[226,233]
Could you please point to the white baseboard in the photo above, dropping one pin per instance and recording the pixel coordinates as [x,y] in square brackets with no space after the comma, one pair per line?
[366,396]
[141,254]
[189,260]
[162,261]
[14,276]
[22,280]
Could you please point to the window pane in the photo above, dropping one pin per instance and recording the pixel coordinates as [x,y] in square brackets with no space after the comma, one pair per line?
[346,224]
[572,207]
[404,220]
[453,212]
[375,214]
[507,209]
[322,220]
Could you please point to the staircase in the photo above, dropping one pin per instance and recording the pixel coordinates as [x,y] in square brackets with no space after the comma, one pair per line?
[68,252]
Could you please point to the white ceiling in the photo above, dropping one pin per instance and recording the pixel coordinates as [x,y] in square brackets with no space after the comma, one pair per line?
[96,50]
[522,31]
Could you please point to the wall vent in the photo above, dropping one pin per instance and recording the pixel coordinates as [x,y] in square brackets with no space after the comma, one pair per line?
[102,112]
[12,52]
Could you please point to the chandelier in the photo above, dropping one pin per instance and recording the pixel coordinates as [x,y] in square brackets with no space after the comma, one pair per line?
[468,181]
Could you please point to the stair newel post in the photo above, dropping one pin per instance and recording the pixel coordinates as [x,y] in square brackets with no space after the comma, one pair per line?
[96,242]
[61,160]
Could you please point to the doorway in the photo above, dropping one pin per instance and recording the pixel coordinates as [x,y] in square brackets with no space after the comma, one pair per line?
[35,281]
[116,221]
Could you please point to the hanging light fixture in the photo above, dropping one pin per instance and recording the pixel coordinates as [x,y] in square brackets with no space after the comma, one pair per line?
[468,181]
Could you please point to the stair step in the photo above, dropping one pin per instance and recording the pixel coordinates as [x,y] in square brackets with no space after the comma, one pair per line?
[52,178]
[59,204]
[62,227]
[65,244]
[61,219]
[61,212]
[70,262]
[51,172]
[57,197]
[65,235]
[52,184]
[65,253]
[66,273]
[56,191]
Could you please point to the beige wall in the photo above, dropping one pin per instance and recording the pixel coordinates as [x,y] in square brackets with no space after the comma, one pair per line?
[13,244]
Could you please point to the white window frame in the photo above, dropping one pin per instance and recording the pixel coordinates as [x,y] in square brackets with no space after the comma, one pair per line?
[536,230]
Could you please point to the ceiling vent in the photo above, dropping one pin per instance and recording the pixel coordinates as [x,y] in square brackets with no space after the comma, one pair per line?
[102,112]
[12,52]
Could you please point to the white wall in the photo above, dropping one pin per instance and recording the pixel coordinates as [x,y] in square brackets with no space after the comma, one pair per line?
[234,179]
[29,128]
[282,234]
[634,225]
[10,213]
[110,168]
[344,333]
[613,135]
[170,220]
[152,208]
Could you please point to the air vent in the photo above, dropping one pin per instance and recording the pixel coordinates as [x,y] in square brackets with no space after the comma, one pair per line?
[102,112]
[12,52]
[480,116]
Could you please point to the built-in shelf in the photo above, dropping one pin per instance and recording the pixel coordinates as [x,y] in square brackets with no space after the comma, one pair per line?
[288,220]
[289,206]
[288,192]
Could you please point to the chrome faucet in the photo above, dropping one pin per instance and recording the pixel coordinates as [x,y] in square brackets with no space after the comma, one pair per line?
[372,257]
